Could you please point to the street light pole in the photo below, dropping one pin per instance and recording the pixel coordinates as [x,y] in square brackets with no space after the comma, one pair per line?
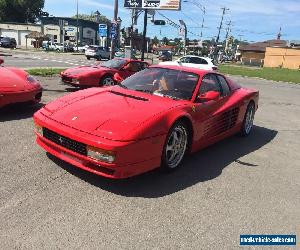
[113,42]
[144,34]
[77,24]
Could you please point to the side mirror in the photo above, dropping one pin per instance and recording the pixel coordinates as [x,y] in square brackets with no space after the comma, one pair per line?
[117,78]
[209,96]
[1,61]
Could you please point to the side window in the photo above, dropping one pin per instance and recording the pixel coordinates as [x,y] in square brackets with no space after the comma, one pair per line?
[203,61]
[143,66]
[135,66]
[185,60]
[209,83]
[197,60]
[224,84]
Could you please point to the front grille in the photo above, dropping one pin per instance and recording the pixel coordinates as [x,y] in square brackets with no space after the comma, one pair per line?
[65,142]
[38,96]
[66,79]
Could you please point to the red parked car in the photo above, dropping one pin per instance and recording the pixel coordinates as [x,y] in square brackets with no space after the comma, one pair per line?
[102,74]
[17,86]
[152,119]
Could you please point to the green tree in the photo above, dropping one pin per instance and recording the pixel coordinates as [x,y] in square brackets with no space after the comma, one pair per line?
[20,10]
[155,40]
[92,17]
[165,41]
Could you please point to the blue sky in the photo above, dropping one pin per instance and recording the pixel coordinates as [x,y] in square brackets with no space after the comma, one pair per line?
[252,20]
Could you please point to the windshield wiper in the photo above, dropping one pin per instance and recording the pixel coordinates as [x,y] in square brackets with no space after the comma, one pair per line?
[168,96]
[144,90]
[122,86]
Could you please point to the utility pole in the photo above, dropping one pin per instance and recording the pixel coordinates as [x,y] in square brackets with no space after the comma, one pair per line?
[216,51]
[228,30]
[113,38]
[202,26]
[221,23]
[144,34]
[77,24]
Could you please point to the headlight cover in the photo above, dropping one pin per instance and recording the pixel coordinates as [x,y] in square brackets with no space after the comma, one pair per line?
[101,155]
[38,129]
[31,79]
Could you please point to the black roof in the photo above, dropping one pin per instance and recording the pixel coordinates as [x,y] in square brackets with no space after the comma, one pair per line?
[71,21]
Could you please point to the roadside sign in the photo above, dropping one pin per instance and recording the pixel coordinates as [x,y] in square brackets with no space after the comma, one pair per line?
[153,4]
[102,30]
[113,30]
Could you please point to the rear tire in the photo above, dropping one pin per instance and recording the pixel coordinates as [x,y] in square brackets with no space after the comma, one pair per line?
[247,125]
[107,81]
[88,58]
[176,146]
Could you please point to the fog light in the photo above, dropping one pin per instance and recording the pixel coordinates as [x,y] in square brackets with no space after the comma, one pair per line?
[75,81]
[100,154]
[38,129]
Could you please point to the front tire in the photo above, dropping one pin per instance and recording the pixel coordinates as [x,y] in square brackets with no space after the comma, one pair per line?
[175,146]
[247,125]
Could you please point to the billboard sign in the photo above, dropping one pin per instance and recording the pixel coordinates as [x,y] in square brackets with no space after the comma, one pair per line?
[102,30]
[153,4]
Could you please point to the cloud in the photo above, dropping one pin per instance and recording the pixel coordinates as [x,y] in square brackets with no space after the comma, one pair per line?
[102,5]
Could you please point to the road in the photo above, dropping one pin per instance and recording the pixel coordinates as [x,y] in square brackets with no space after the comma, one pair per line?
[238,186]
[36,59]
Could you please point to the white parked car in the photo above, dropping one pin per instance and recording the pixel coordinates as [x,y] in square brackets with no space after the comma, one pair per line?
[81,48]
[193,62]
[97,52]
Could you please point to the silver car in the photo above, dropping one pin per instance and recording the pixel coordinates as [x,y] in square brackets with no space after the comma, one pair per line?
[97,52]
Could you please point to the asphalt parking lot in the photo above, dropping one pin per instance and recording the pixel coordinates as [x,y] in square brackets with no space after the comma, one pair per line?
[238,186]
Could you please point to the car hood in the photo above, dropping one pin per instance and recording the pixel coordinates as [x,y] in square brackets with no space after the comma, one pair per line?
[84,70]
[113,113]
[11,81]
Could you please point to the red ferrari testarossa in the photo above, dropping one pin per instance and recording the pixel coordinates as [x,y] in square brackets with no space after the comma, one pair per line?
[152,119]
[102,74]
[17,86]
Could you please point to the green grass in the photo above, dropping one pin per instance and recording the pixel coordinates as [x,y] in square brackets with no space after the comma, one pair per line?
[275,74]
[45,71]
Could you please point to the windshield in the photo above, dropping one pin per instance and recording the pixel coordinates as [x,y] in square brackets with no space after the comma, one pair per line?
[170,83]
[114,64]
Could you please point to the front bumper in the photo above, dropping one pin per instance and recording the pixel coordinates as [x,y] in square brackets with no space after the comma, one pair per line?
[132,158]
[33,95]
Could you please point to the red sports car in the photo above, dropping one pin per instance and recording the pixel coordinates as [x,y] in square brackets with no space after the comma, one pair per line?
[152,119]
[102,74]
[17,86]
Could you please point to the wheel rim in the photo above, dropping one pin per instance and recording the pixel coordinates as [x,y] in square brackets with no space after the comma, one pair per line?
[108,81]
[176,146]
[249,119]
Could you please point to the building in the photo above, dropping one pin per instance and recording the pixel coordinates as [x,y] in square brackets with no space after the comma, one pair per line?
[19,31]
[254,53]
[50,26]
[88,30]
[288,58]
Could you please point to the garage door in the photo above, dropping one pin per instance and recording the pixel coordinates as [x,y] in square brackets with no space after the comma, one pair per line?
[10,33]
[23,35]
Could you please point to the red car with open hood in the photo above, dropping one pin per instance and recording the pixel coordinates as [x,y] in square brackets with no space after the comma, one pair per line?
[152,119]
[102,74]
[17,86]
